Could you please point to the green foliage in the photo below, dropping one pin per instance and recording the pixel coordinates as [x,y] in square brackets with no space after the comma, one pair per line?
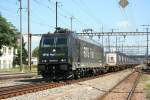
[35,52]
[17,69]
[34,66]
[8,37]
[8,33]
[146,80]
[24,55]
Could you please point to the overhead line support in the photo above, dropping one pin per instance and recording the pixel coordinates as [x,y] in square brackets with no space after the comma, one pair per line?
[56,15]
[20,9]
[29,37]
[147,30]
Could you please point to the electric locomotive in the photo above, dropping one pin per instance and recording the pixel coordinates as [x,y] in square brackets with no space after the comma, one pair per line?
[64,55]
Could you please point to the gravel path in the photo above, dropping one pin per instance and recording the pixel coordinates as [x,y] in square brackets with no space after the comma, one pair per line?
[11,83]
[87,90]
[140,95]
[121,91]
[18,81]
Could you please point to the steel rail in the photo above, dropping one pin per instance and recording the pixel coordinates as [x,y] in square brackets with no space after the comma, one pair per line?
[11,91]
[131,92]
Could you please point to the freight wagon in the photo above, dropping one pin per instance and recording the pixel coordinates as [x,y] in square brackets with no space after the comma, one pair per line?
[116,61]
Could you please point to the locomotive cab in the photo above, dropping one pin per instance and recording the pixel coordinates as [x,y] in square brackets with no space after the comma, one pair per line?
[54,59]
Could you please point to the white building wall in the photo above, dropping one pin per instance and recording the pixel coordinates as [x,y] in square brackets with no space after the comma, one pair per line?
[6,60]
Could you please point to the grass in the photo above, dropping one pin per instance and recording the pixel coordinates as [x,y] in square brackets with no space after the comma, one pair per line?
[17,69]
[148,90]
[146,80]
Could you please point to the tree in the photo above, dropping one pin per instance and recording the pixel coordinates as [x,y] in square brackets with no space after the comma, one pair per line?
[24,55]
[8,33]
[8,37]
[35,52]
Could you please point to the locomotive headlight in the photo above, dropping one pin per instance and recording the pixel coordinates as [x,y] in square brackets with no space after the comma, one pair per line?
[63,60]
[45,54]
[44,61]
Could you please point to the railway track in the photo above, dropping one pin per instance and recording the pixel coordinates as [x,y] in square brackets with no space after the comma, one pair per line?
[5,76]
[11,91]
[124,90]
[131,92]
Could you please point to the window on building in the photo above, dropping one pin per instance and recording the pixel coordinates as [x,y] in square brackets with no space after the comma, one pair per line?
[4,49]
[9,50]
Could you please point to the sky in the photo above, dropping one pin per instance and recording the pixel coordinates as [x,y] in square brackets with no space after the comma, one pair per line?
[86,14]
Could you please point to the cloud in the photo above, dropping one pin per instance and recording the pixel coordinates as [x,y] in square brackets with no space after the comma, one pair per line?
[124,24]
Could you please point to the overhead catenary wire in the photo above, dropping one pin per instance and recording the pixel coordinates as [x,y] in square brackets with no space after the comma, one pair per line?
[44,5]
[7,10]
[12,15]
[71,15]
[11,2]
[52,9]
[48,7]
[61,13]
[82,9]
[92,14]
[42,24]
[89,12]
[128,17]
[125,15]
[39,16]
[17,15]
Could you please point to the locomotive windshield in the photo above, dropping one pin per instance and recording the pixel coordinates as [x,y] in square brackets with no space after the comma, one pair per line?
[55,41]
[61,41]
[48,42]
[54,47]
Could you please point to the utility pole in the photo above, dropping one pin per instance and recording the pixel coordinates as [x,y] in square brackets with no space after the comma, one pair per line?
[116,37]
[29,37]
[147,30]
[108,43]
[103,48]
[71,19]
[56,15]
[116,44]
[20,9]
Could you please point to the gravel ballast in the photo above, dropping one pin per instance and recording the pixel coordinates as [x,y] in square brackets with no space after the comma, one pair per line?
[87,90]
